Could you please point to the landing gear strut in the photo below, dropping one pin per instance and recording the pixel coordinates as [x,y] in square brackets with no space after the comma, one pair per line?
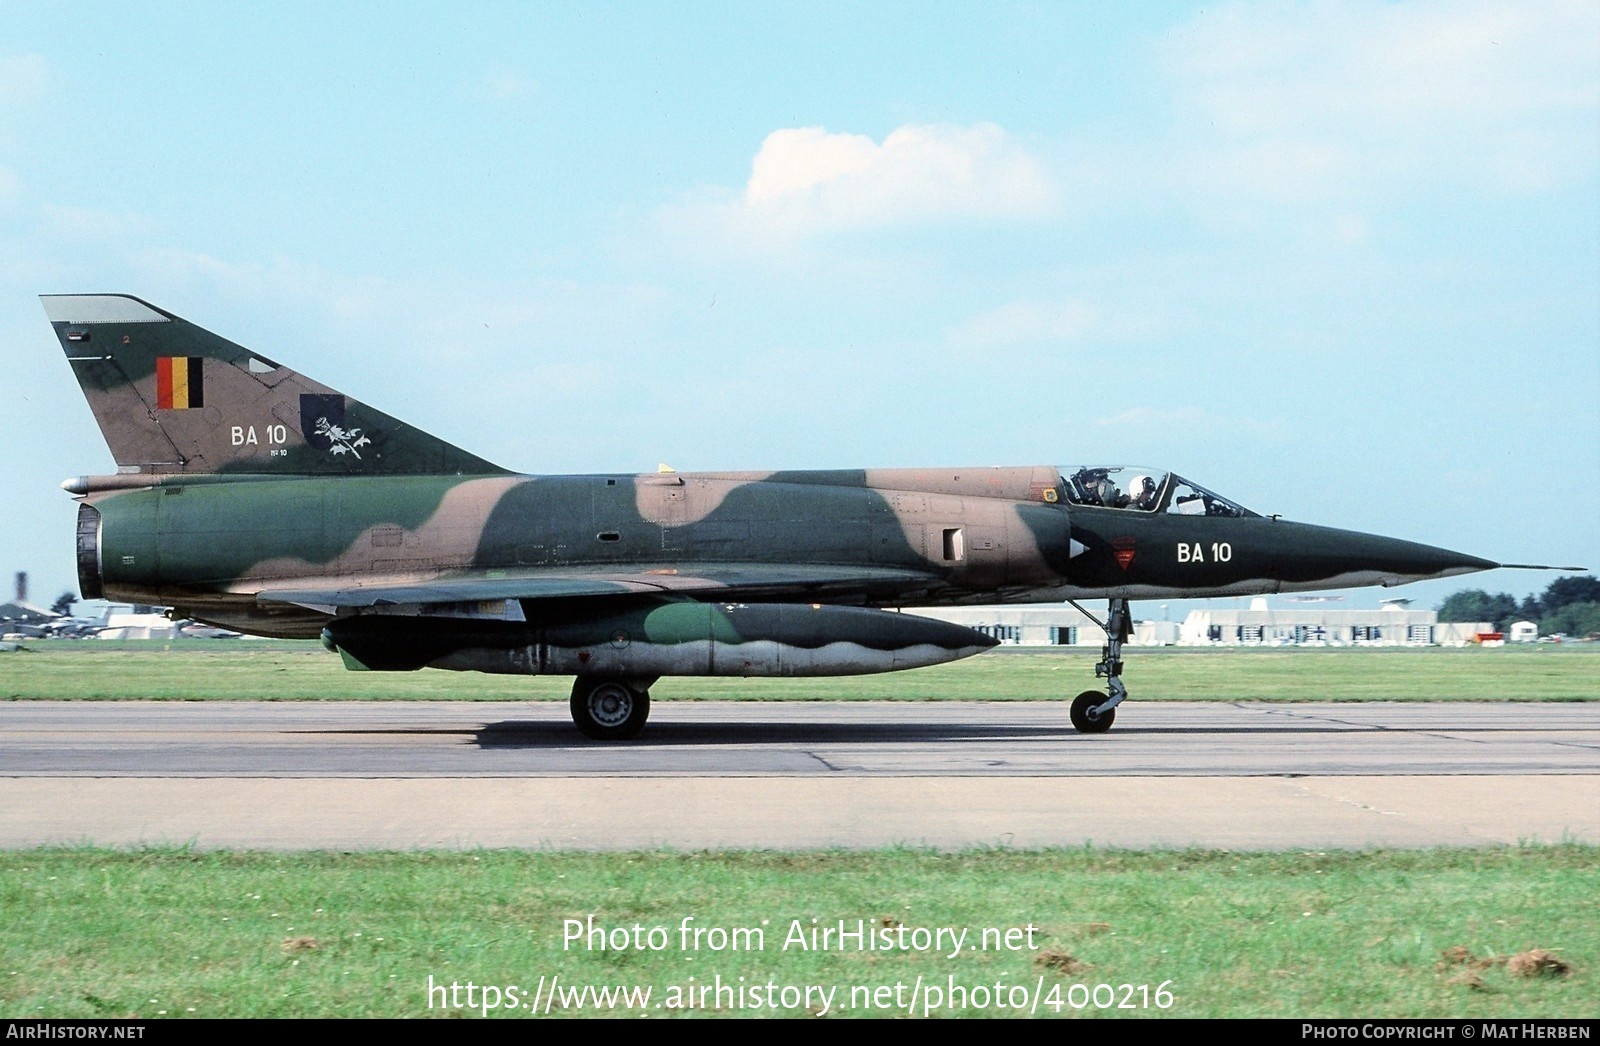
[1092,711]
[610,709]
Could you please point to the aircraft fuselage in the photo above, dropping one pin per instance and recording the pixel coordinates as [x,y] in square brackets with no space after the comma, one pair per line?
[212,546]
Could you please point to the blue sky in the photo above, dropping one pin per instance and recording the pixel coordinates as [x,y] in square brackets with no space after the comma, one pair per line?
[1339,261]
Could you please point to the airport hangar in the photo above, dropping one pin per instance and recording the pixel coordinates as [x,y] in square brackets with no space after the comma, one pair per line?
[1065,626]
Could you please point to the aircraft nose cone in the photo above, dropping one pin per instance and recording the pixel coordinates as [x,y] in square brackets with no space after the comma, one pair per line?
[1398,562]
[1305,557]
[1415,562]
[1461,563]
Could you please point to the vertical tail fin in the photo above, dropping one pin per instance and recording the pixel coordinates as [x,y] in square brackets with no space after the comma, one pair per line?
[171,397]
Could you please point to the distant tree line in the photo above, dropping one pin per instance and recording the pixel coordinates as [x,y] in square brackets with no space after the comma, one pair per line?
[1570,605]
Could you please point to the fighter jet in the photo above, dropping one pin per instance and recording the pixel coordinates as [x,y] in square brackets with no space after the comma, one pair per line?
[255,499]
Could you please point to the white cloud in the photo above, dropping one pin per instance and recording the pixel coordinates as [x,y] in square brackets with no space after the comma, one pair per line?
[504,84]
[805,180]
[1144,416]
[534,361]
[1270,67]
[1026,322]
[181,270]
[1035,322]
[1192,421]
[22,78]
[1348,230]
[527,331]
[92,223]
[1282,170]
[1315,101]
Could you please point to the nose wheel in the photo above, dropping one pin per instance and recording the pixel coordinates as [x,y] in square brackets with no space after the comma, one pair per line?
[1092,711]
[1087,715]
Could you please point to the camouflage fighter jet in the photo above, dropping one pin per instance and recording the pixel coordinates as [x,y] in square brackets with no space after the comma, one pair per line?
[252,498]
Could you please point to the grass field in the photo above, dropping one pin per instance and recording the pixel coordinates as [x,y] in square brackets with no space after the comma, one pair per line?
[302,671]
[96,934]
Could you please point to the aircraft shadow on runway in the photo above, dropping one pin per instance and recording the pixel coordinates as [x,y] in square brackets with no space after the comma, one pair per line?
[527,734]
[515,733]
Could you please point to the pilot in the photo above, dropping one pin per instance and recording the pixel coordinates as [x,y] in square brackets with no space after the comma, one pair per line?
[1105,492]
[1089,482]
[1142,493]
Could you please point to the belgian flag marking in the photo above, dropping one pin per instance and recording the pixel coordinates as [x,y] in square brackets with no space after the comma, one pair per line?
[180,382]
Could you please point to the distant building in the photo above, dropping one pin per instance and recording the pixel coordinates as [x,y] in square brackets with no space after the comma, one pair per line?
[16,612]
[1386,627]
[137,623]
[25,621]
[20,617]
[1523,632]
[1052,625]
[1060,625]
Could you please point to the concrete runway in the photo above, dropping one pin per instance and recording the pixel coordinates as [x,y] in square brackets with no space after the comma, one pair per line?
[797,775]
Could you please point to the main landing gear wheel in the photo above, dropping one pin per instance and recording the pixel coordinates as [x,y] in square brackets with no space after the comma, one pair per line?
[609,709]
[1084,716]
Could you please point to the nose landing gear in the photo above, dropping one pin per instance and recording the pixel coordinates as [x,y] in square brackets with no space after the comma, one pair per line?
[1092,711]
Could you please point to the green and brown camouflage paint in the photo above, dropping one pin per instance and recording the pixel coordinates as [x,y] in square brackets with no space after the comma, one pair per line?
[258,499]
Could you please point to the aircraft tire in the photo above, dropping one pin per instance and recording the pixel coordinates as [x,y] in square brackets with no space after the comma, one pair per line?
[1080,713]
[609,709]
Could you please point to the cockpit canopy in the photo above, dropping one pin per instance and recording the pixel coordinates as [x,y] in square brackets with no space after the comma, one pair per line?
[1139,489]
